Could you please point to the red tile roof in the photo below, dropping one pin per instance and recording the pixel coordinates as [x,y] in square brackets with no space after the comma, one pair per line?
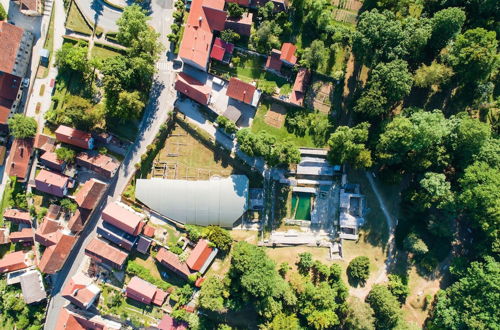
[168,323]
[123,218]
[55,256]
[72,321]
[241,25]
[273,61]
[74,137]
[220,48]
[29,4]
[50,159]
[192,88]
[51,182]
[205,16]
[19,159]
[300,87]
[90,193]
[17,216]
[25,235]
[288,53]
[77,221]
[99,163]
[80,291]
[141,290]
[48,233]
[172,262]
[240,90]
[10,39]
[44,142]
[199,255]
[53,211]
[100,251]
[159,297]
[149,230]
[9,87]
[13,261]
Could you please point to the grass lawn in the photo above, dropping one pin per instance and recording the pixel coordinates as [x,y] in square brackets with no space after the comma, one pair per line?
[103,52]
[282,133]
[7,197]
[43,71]
[76,21]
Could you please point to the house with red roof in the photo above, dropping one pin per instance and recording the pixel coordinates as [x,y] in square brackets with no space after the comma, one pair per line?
[15,261]
[74,137]
[99,163]
[168,323]
[205,17]
[145,292]
[71,319]
[241,25]
[25,235]
[123,217]
[50,160]
[81,291]
[17,216]
[284,56]
[222,51]
[10,94]
[49,232]
[87,198]
[44,142]
[172,262]
[19,161]
[30,7]
[243,92]
[149,231]
[102,252]
[192,88]
[52,183]
[55,256]
[300,86]
[274,61]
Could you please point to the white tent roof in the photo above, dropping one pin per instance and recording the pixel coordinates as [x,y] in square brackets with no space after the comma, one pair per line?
[219,201]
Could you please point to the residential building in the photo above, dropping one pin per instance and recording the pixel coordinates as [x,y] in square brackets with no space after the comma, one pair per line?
[172,262]
[284,56]
[10,95]
[241,25]
[200,257]
[53,212]
[15,261]
[74,137]
[4,236]
[87,199]
[55,256]
[30,7]
[222,51]
[101,252]
[32,287]
[193,88]
[101,164]
[221,201]
[17,216]
[78,220]
[49,232]
[117,236]
[123,218]
[19,161]
[45,143]
[25,235]
[168,323]
[50,160]
[143,244]
[145,292]
[243,92]
[71,319]
[300,87]
[149,231]
[274,61]
[52,183]
[16,49]
[205,17]
[81,291]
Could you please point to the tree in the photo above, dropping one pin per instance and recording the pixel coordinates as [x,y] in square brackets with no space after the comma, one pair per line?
[65,154]
[433,75]
[3,14]
[446,24]
[77,112]
[69,205]
[283,269]
[315,55]
[359,269]
[335,273]
[73,57]
[284,153]
[213,293]
[359,316]
[372,102]
[398,285]
[305,263]
[434,192]
[317,306]
[194,232]
[386,307]
[219,237]
[489,153]
[22,127]
[468,136]
[474,55]
[283,321]
[348,145]
[130,24]
[415,245]
[417,34]
[472,301]
[128,106]
[266,37]
[234,10]
[394,78]
[229,35]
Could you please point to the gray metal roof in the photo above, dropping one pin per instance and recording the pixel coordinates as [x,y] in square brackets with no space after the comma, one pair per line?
[219,201]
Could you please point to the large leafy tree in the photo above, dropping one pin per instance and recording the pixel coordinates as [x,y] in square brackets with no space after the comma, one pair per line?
[348,145]
[128,106]
[22,127]
[446,24]
[472,301]
[315,55]
[433,75]
[73,57]
[132,22]
[266,37]
[386,307]
[283,321]
[474,54]
[434,191]
[467,138]
[360,315]
[359,269]
[213,292]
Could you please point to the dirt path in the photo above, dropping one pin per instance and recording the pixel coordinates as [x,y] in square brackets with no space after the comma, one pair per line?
[381,275]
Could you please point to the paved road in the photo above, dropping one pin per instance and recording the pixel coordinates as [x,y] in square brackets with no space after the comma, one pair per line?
[97,11]
[156,113]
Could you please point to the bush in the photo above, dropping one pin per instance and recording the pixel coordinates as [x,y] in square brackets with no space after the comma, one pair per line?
[193,232]
[69,205]
[22,127]
[305,263]
[359,269]
[174,248]
[398,285]
[3,14]
[219,237]
[140,271]
[227,125]
[65,154]
[415,245]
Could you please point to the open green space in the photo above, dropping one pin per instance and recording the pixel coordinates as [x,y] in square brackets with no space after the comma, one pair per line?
[7,197]
[76,21]
[282,133]
[104,52]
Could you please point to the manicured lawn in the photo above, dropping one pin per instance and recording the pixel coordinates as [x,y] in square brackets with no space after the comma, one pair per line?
[282,133]
[103,52]
[76,21]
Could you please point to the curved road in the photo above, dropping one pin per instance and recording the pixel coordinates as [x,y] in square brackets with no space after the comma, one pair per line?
[97,11]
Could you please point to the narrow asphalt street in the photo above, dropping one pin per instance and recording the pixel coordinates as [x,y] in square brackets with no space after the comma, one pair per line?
[156,113]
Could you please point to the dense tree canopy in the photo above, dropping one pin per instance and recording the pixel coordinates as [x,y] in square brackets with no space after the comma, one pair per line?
[446,24]
[22,127]
[386,307]
[348,145]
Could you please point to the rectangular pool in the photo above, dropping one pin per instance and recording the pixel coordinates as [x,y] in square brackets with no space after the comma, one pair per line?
[301,205]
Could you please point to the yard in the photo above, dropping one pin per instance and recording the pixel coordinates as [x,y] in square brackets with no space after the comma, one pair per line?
[281,133]
[76,21]
[103,51]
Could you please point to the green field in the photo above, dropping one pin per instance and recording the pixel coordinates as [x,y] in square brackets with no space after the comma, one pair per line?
[103,52]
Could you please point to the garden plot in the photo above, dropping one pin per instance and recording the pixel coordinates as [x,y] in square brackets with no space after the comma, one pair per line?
[320,95]
[275,116]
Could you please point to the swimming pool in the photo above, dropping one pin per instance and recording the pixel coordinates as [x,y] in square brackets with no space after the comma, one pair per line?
[301,206]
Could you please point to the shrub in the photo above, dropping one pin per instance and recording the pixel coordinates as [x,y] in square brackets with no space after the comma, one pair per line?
[140,271]
[174,248]
[415,245]
[219,237]
[68,204]
[227,125]
[359,269]
[65,154]
[305,263]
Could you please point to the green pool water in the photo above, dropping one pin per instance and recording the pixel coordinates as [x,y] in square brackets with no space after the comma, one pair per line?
[301,206]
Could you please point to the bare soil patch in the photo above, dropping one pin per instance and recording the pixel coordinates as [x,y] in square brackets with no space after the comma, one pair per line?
[275,116]
[320,95]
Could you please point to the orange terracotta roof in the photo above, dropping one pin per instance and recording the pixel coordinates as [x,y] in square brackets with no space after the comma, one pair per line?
[141,290]
[159,297]
[103,250]
[55,256]
[149,230]
[10,39]
[73,136]
[9,87]
[199,255]
[72,321]
[90,193]
[123,218]
[192,88]
[80,290]
[25,235]
[52,178]
[48,233]
[17,216]
[274,60]
[13,261]
[288,53]
[205,16]
[300,87]
[171,261]
[19,158]
[44,142]
[4,237]
[100,161]
[77,221]
[240,90]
